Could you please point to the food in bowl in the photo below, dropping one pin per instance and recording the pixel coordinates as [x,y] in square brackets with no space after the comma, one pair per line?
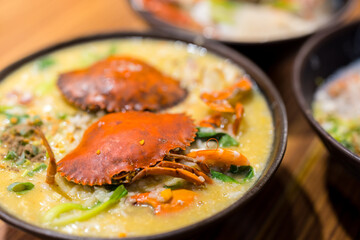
[336,106]
[101,136]
[245,21]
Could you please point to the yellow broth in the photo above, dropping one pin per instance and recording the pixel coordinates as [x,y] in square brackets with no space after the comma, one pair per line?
[194,67]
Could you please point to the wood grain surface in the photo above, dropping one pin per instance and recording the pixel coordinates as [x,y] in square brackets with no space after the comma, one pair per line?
[310,197]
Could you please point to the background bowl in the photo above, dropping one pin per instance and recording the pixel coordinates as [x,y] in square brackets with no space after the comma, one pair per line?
[320,57]
[262,81]
[263,53]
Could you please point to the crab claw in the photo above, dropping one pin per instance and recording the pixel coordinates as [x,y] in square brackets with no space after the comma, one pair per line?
[178,200]
[221,158]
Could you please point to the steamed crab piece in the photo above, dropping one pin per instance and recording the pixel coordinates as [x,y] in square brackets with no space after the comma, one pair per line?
[219,100]
[220,158]
[120,84]
[176,201]
[119,145]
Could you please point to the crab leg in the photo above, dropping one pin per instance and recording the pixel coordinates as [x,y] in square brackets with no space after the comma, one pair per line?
[217,102]
[239,113]
[222,158]
[180,173]
[201,165]
[187,168]
[179,200]
[51,171]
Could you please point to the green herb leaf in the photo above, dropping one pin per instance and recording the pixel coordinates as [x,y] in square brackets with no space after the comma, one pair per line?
[204,132]
[222,177]
[246,171]
[45,62]
[20,187]
[86,213]
[11,155]
[225,140]
[228,141]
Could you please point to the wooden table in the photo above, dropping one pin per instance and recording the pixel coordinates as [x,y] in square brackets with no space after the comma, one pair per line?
[302,201]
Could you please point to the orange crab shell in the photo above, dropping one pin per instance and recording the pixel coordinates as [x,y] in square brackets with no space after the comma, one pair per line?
[126,141]
[120,84]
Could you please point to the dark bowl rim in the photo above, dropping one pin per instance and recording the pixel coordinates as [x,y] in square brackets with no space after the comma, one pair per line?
[267,89]
[336,18]
[303,55]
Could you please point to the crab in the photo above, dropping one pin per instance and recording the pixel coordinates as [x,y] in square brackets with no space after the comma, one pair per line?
[125,147]
[120,83]
[219,102]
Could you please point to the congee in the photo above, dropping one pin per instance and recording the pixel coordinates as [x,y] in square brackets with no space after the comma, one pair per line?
[129,137]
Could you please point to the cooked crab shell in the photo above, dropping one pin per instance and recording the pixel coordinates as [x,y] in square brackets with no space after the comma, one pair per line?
[121,144]
[120,84]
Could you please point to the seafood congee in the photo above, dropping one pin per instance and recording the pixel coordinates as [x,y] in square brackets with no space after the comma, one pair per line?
[129,137]
[336,106]
[243,20]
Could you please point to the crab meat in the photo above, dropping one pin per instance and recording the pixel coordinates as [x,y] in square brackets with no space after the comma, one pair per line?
[128,143]
[120,84]
[219,102]
[178,200]
[220,158]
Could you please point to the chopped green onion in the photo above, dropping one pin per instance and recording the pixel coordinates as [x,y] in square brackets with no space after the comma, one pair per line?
[21,159]
[37,121]
[222,177]
[45,62]
[25,173]
[112,50]
[37,169]
[35,150]
[4,108]
[52,216]
[11,155]
[62,116]
[20,187]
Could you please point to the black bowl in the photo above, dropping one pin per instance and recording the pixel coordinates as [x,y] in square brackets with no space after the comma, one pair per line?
[320,57]
[263,53]
[261,80]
